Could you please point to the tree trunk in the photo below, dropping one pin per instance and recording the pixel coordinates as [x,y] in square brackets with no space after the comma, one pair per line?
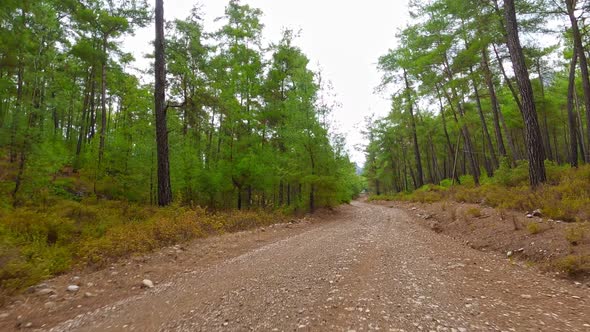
[557,156]
[92,118]
[281,190]
[579,49]
[544,108]
[70,121]
[570,113]
[494,101]
[19,178]
[17,112]
[103,100]
[164,187]
[486,133]
[312,186]
[250,201]
[580,130]
[444,122]
[85,112]
[420,175]
[404,158]
[469,151]
[507,79]
[239,198]
[534,142]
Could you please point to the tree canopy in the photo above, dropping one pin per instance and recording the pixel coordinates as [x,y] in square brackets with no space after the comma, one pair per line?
[478,85]
[245,122]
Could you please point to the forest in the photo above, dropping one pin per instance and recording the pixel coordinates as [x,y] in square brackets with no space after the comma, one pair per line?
[485,93]
[246,122]
[89,147]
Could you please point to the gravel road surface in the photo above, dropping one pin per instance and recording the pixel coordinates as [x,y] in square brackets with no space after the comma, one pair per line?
[371,268]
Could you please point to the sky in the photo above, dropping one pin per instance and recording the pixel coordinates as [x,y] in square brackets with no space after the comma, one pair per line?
[343,38]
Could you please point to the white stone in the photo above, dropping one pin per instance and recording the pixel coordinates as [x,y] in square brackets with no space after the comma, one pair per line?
[146,283]
[73,288]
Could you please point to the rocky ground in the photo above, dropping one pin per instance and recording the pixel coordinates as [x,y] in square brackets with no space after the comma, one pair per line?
[365,267]
[525,237]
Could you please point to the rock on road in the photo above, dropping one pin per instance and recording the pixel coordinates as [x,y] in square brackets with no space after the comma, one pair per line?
[371,268]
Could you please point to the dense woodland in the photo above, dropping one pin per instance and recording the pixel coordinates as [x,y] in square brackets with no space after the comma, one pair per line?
[245,123]
[482,86]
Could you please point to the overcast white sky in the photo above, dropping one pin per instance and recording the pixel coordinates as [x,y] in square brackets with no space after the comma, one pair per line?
[344,37]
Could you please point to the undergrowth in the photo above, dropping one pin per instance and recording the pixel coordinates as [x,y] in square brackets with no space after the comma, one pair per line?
[573,265]
[565,196]
[38,242]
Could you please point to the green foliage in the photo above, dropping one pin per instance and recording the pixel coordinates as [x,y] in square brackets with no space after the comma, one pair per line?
[467,181]
[247,121]
[533,228]
[567,199]
[573,265]
[474,212]
[511,176]
[425,194]
[446,183]
[455,110]
[575,234]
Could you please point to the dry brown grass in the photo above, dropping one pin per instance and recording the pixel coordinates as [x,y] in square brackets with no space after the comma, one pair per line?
[37,243]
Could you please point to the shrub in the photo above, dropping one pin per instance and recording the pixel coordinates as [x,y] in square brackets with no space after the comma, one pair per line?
[574,234]
[425,196]
[446,183]
[533,228]
[512,177]
[383,198]
[474,212]
[466,195]
[467,181]
[573,265]
[565,197]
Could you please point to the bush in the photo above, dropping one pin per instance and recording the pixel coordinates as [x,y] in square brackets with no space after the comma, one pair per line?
[474,212]
[565,197]
[446,183]
[574,234]
[467,181]
[385,198]
[533,228]
[512,177]
[573,265]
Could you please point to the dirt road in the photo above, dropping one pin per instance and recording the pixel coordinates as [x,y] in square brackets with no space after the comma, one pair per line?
[370,268]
